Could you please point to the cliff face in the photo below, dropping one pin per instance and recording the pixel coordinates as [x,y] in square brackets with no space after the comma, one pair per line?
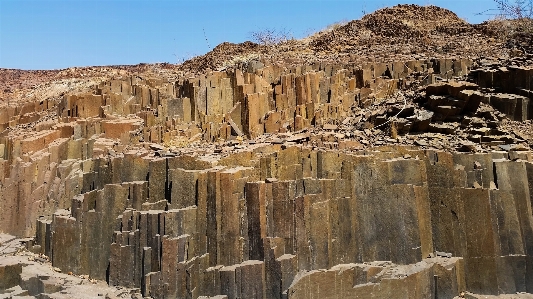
[254,230]
[406,178]
[301,215]
[45,143]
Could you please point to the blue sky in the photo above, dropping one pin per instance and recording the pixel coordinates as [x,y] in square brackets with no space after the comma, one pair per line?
[46,34]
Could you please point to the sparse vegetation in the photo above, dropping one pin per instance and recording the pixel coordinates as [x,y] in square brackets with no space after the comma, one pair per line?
[520,12]
[270,36]
[336,25]
[329,28]
[514,24]
[517,9]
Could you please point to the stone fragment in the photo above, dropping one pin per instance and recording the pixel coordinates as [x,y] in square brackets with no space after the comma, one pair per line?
[10,271]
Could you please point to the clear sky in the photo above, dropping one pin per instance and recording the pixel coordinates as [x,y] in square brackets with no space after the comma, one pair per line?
[46,34]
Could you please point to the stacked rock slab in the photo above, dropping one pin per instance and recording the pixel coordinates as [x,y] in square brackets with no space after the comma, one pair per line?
[512,88]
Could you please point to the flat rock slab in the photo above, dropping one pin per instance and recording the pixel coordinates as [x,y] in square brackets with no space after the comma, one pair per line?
[5,238]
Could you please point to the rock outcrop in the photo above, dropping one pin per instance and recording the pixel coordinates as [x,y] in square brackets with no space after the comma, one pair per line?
[403,179]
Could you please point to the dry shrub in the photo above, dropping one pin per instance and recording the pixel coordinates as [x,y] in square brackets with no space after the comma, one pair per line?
[514,24]
[519,13]
[270,36]
[517,9]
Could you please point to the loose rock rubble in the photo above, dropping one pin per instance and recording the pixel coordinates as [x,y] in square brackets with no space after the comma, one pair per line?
[368,160]
[29,275]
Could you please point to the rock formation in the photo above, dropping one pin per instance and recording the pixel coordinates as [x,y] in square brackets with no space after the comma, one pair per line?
[409,178]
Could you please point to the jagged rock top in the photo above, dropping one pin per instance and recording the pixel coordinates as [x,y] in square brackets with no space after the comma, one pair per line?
[398,32]
[410,18]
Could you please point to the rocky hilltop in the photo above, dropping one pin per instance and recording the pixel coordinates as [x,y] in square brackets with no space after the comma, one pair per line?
[388,157]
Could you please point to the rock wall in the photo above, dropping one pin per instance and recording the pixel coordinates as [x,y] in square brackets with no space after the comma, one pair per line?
[267,99]
[221,105]
[512,87]
[101,194]
[251,230]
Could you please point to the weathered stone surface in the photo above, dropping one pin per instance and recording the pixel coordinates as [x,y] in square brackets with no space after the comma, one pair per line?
[10,273]
[430,278]
[301,180]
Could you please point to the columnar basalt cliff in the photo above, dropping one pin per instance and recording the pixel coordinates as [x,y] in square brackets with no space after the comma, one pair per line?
[249,230]
[400,178]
